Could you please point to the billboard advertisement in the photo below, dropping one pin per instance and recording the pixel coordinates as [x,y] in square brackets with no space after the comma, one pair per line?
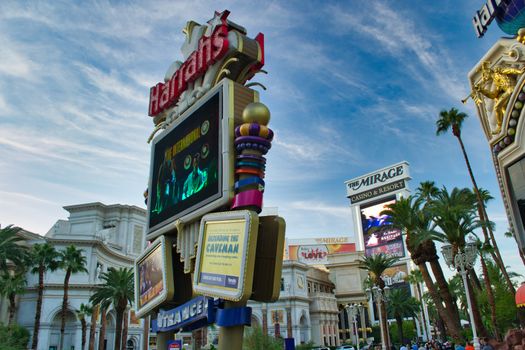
[185,165]
[316,251]
[379,238]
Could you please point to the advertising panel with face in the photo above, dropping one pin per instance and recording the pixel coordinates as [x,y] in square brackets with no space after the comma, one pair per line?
[150,278]
[378,237]
[186,161]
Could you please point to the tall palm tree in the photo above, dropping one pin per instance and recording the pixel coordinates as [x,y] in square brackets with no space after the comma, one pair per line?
[125,329]
[400,305]
[454,119]
[12,285]
[10,248]
[103,324]
[415,277]
[415,220]
[427,190]
[455,216]
[117,290]
[72,261]
[44,258]
[84,311]
[376,266]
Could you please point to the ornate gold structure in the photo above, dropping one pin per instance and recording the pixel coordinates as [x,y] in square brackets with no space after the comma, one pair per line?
[496,84]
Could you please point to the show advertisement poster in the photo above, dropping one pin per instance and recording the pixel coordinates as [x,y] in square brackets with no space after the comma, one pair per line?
[150,276]
[377,236]
[185,165]
[316,252]
[223,254]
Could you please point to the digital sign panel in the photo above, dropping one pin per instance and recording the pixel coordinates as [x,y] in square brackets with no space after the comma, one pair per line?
[186,165]
[377,236]
[153,276]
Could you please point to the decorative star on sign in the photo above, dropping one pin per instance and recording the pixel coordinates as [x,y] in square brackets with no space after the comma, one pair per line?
[218,19]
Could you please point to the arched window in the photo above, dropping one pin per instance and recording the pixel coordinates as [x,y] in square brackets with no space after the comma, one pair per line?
[130,345]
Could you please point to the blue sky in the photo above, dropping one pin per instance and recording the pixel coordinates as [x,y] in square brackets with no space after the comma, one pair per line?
[352,87]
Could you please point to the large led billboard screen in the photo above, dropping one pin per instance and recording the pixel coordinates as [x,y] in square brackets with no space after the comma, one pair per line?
[378,237]
[186,165]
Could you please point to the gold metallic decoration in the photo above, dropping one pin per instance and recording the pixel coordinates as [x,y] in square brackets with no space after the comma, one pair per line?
[496,84]
[189,27]
[521,36]
[224,71]
[256,112]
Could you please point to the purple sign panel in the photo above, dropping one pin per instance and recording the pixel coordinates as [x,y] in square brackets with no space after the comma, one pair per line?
[378,237]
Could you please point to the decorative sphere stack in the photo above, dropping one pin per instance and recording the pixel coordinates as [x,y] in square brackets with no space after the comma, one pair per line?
[252,141]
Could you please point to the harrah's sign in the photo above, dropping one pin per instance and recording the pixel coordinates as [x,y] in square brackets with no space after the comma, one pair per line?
[377,178]
[210,50]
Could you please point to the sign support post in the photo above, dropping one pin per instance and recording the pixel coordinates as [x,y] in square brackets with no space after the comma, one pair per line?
[230,338]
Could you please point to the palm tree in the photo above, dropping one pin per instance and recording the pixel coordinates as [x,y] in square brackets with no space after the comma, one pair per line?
[427,190]
[455,216]
[376,266]
[454,119]
[10,248]
[44,258]
[400,305]
[118,291]
[72,261]
[415,277]
[103,323]
[415,220]
[82,312]
[10,286]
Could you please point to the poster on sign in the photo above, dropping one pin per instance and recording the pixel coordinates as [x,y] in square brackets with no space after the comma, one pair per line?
[316,251]
[226,256]
[378,237]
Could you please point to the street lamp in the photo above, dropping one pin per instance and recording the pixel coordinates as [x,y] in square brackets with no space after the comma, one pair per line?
[353,310]
[380,296]
[462,262]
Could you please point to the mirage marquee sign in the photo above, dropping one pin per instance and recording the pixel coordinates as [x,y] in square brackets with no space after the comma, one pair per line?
[377,183]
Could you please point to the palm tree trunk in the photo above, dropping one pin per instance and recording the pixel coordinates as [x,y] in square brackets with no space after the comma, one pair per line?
[484,218]
[124,331]
[118,326]
[444,291]
[145,343]
[399,321]
[84,331]
[64,309]
[12,308]
[420,296]
[490,296]
[482,331]
[93,327]
[36,327]
[384,322]
[102,333]
[451,323]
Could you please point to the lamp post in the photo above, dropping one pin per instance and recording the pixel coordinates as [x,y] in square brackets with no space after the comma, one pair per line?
[353,310]
[380,296]
[462,262]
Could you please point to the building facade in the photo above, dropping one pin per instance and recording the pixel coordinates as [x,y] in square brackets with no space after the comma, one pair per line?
[110,236]
[306,309]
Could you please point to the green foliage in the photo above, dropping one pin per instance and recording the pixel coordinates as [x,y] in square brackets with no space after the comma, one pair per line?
[44,257]
[409,332]
[376,334]
[376,265]
[13,337]
[306,346]
[117,286]
[254,339]
[10,248]
[72,259]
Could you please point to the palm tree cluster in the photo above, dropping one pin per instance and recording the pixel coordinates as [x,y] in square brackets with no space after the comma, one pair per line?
[16,259]
[453,217]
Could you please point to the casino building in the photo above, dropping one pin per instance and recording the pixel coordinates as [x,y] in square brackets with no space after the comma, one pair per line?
[498,89]
[110,236]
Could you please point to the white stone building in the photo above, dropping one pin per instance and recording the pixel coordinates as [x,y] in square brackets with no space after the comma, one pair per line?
[110,236]
[306,309]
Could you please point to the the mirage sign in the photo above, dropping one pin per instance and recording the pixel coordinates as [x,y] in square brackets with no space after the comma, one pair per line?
[377,179]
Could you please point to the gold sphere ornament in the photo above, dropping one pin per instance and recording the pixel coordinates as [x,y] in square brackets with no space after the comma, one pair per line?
[256,112]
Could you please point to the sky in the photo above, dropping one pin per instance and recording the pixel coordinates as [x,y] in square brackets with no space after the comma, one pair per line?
[353,86]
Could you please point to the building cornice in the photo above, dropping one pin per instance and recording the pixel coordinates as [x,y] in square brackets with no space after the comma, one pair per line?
[94,242]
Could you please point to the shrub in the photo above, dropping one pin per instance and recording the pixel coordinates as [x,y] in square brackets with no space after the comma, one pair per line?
[13,337]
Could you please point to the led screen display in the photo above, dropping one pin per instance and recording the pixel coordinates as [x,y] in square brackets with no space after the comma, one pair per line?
[150,277]
[378,237]
[185,165]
